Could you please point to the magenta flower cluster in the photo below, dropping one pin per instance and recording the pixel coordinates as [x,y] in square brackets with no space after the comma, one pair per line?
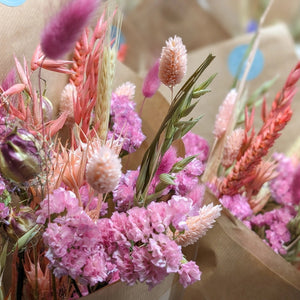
[125,123]
[186,181]
[131,246]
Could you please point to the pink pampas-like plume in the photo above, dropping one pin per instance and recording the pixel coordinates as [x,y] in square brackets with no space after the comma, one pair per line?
[65,28]
[151,82]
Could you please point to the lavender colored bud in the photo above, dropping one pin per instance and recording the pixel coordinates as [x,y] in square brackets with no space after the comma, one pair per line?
[19,156]
[20,222]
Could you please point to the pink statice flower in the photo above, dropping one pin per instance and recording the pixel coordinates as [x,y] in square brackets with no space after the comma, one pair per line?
[196,195]
[195,144]
[126,124]
[123,194]
[295,186]
[276,220]
[60,201]
[238,205]
[189,273]
[280,186]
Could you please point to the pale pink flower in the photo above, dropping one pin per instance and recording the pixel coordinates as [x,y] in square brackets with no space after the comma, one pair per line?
[151,82]
[197,226]
[126,89]
[103,170]
[173,62]
[189,273]
[224,114]
[232,147]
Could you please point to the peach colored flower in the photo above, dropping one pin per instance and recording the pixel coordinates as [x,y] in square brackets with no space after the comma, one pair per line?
[173,62]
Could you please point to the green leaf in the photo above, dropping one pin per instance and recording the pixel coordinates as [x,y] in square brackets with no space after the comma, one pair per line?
[180,165]
[167,179]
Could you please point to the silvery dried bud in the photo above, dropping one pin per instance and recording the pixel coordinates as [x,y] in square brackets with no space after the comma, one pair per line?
[19,156]
[20,222]
[47,107]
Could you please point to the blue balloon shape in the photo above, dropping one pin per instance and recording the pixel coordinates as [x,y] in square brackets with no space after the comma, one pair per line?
[236,57]
[12,3]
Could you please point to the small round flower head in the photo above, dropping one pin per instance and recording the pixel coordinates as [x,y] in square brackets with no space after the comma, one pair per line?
[68,96]
[103,170]
[173,62]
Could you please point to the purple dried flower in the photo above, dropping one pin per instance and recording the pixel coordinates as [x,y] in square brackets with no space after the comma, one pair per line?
[19,156]
[295,186]
[64,29]
[151,82]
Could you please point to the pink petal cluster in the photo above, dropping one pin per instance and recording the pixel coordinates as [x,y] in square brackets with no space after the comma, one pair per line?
[132,246]
[276,220]
[238,205]
[126,124]
[281,185]
[195,144]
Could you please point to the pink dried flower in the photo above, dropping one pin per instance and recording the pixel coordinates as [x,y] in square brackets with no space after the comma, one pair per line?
[66,104]
[151,82]
[295,187]
[223,116]
[65,28]
[189,273]
[103,170]
[126,89]
[173,62]
[198,225]
[232,147]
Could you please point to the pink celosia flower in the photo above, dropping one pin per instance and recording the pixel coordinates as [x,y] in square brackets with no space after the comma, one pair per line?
[232,147]
[173,62]
[103,170]
[189,273]
[195,144]
[238,205]
[224,114]
[198,225]
[151,82]
[65,28]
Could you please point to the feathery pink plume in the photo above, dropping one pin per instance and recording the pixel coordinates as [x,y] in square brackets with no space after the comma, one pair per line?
[151,82]
[65,28]
[198,225]
[223,116]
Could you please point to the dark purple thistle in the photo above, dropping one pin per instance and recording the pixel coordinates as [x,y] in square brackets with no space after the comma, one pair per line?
[65,28]
[19,156]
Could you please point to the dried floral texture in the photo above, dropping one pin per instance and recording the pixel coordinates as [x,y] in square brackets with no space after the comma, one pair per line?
[224,114]
[198,225]
[173,62]
[232,147]
[67,103]
[64,29]
[126,89]
[133,246]
[125,125]
[281,185]
[103,170]
[279,115]
[151,82]
[275,227]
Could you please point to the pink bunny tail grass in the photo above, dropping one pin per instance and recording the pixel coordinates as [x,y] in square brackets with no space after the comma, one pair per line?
[173,62]
[9,80]
[198,225]
[232,147]
[224,114]
[151,82]
[65,28]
